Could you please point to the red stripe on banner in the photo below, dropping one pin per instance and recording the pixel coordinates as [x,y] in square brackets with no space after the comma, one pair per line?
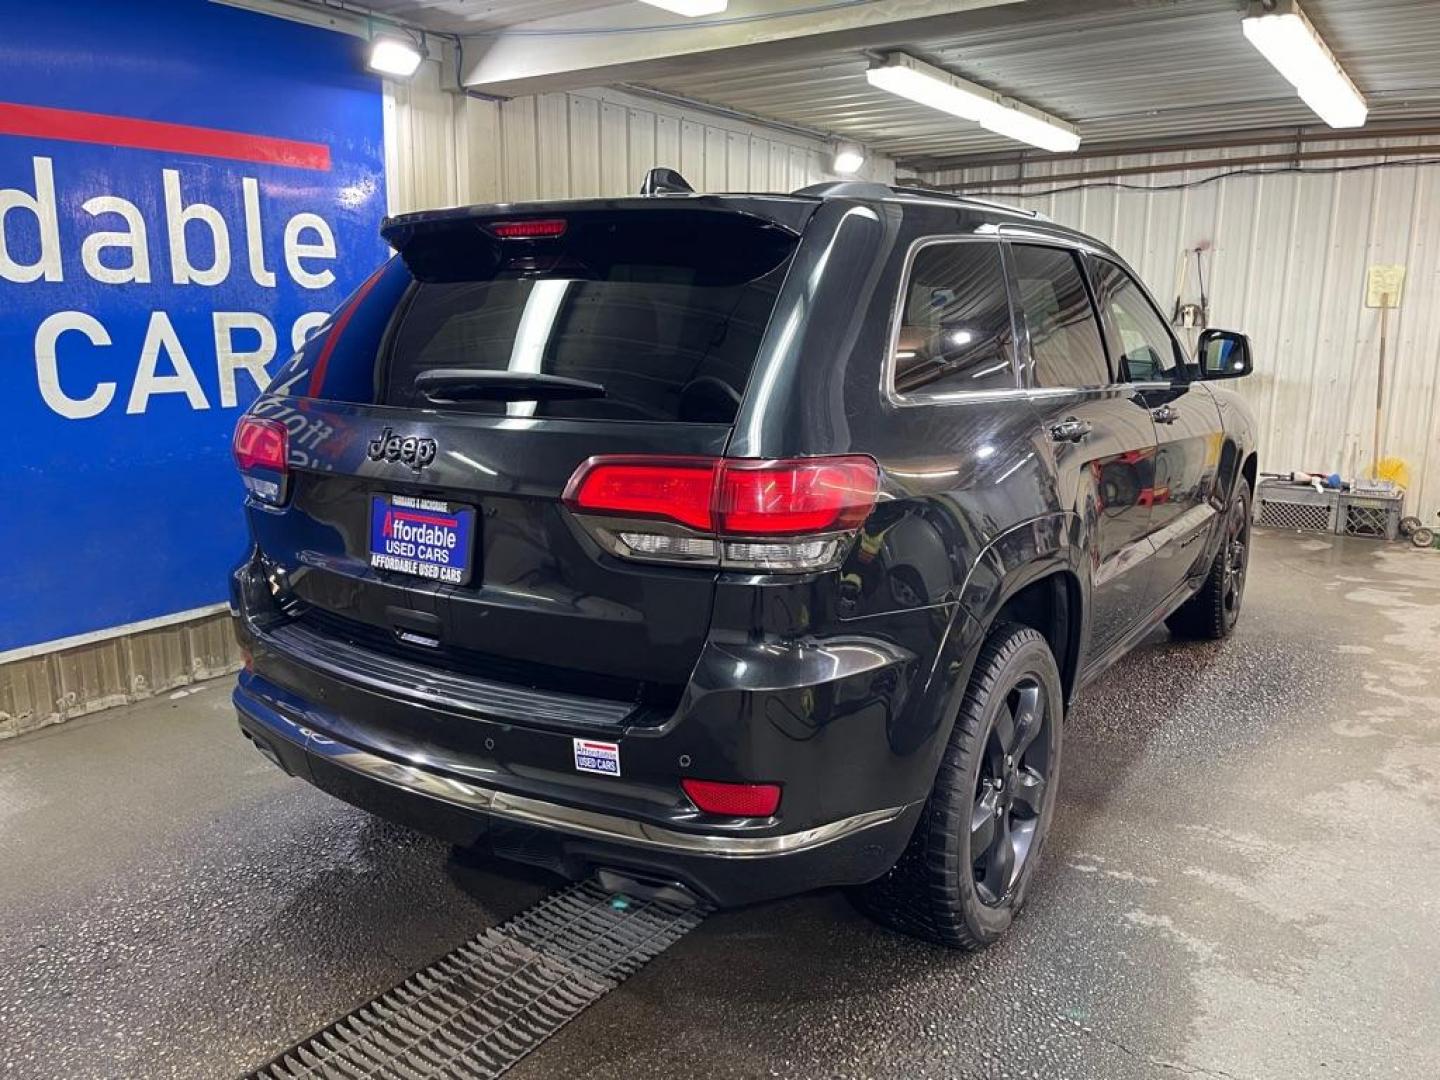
[68,125]
[317,377]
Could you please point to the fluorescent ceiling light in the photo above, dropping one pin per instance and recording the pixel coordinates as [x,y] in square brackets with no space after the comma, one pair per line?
[394,56]
[848,159]
[689,8]
[1285,37]
[928,85]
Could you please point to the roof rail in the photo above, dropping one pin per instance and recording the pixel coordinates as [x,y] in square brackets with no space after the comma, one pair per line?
[864,189]
[995,204]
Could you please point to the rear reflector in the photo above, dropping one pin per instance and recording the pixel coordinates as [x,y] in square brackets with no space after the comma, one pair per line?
[733,800]
[535,229]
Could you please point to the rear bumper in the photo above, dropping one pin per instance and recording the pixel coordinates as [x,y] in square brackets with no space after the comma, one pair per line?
[850,723]
[726,865]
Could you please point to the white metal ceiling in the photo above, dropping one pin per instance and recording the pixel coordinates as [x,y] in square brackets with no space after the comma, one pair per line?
[1121,70]
[1154,71]
[478,16]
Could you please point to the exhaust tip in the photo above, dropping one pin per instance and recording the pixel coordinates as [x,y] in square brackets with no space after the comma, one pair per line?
[624,885]
[267,751]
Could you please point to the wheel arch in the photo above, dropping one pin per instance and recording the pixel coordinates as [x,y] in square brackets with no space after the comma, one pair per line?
[1238,450]
[1236,462]
[1034,575]
[1050,604]
[1250,469]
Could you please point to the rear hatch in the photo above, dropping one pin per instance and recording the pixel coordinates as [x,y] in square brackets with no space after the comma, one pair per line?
[434,423]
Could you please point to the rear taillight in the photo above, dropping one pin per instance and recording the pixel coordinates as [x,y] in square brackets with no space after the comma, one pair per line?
[790,498]
[798,514]
[262,454]
[675,489]
[261,444]
[733,800]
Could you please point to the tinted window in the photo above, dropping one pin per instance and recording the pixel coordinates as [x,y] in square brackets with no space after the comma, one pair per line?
[1065,343]
[662,346]
[1147,351]
[955,330]
[663,309]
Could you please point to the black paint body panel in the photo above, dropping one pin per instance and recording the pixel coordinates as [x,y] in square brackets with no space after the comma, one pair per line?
[842,685]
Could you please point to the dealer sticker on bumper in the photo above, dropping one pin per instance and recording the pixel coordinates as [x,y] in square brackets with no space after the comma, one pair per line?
[597,757]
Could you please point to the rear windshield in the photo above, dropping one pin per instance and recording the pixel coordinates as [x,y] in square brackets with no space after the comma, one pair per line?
[664,343]
[627,316]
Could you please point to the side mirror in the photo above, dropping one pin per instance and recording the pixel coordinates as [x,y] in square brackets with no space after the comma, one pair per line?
[1141,365]
[1223,354]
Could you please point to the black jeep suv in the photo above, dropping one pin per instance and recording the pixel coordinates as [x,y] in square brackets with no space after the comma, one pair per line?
[750,543]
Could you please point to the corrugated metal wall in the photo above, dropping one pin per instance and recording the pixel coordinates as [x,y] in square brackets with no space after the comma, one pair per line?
[443,149]
[1287,265]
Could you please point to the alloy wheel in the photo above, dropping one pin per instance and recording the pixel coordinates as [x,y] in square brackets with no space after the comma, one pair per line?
[1237,553]
[1010,791]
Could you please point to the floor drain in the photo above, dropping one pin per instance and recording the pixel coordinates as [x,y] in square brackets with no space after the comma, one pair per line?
[479,1010]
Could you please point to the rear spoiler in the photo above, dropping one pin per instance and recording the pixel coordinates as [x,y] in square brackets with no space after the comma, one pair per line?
[583,238]
[780,211]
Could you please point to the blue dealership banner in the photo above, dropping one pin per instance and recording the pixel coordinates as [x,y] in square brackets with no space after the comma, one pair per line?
[186,190]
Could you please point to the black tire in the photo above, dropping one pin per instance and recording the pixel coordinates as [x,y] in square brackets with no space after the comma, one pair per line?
[940,890]
[1213,611]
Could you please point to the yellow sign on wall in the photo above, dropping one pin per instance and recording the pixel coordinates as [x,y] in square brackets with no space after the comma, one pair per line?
[1383,284]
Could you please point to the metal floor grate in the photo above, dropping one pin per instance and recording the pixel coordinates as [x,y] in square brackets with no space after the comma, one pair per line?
[479,1010]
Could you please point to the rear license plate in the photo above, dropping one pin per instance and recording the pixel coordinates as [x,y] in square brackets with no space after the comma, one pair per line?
[424,537]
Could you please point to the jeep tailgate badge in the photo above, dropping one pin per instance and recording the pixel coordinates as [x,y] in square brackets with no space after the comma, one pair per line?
[417,453]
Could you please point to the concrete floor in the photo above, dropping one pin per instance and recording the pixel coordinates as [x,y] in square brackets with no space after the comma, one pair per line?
[1244,882]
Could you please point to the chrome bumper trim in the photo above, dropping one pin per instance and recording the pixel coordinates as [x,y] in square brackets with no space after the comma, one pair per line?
[550,815]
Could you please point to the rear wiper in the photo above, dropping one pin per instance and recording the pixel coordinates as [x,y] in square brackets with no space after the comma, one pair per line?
[446,385]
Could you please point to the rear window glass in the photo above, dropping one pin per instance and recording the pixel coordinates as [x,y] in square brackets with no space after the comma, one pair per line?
[662,320]
[1065,344]
[662,346]
[955,330]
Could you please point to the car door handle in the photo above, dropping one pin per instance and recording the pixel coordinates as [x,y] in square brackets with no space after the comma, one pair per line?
[1165,414]
[1071,429]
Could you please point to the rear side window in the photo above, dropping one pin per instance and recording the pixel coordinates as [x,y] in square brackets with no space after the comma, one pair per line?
[1065,344]
[955,330]
[663,315]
